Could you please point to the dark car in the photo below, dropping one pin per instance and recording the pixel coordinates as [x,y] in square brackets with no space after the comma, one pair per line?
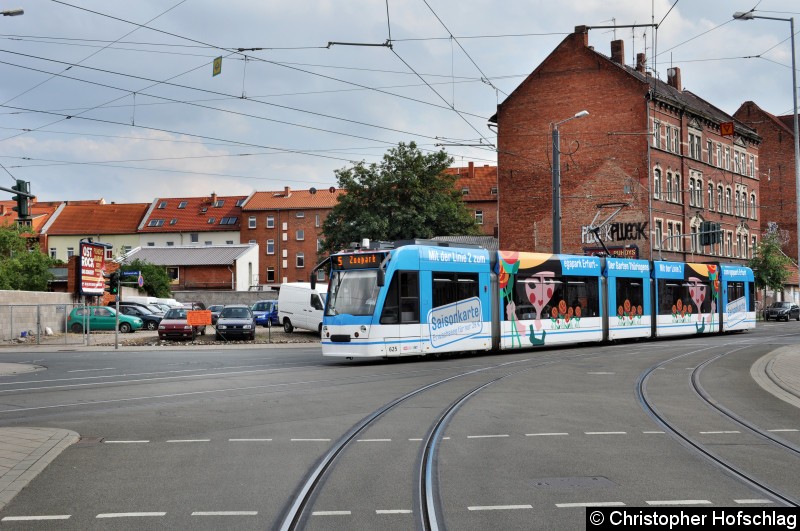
[215,309]
[266,313]
[782,310]
[151,320]
[236,321]
[149,307]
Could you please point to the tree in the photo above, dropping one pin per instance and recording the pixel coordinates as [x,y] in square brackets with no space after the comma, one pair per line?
[22,265]
[406,196]
[770,265]
[156,280]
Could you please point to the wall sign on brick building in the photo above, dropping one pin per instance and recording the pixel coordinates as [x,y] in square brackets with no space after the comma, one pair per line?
[628,251]
[616,232]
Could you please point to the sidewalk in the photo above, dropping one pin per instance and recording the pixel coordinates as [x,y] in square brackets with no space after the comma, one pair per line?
[779,373]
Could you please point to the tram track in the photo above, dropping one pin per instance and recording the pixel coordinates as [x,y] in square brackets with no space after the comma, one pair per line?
[699,449]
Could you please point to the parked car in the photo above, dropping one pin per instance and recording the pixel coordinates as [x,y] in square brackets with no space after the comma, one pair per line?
[236,321]
[147,306]
[266,313]
[782,310]
[175,326]
[300,306]
[100,318]
[215,309]
[151,320]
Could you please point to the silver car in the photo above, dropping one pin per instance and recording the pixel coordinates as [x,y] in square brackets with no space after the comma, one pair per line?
[236,321]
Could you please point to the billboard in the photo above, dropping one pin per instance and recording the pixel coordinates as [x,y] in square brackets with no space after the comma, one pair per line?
[92,265]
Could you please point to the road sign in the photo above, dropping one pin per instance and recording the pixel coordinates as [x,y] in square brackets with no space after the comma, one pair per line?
[217,66]
[131,273]
[140,280]
[726,128]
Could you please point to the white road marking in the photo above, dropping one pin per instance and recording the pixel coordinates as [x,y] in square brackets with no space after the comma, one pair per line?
[600,372]
[545,434]
[29,518]
[125,442]
[591,504]
[90,370]
[783,429]
[128,515]
[415,439]
[249,440]
[445,438]
[330,513]
[498,507]
[718,432]
[225,513]
[485,436]
[373,440]
[188,440]
[655,431]
[393,511]
[679,502]
[754,501]
[310,440]
[605,432]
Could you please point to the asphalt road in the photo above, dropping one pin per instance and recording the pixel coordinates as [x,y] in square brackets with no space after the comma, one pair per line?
[223,436]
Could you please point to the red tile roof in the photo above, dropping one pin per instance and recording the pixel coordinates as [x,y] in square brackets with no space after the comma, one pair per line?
[40,213]
[478,179]
[182,214]
[292,199]
[98,219]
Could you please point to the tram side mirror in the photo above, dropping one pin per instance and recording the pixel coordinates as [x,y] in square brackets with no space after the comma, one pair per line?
[381,278]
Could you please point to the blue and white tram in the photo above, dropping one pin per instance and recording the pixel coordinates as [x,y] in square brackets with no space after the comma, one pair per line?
[428,298]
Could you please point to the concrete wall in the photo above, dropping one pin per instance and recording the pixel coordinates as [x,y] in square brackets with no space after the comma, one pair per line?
[224,297]
[20,311]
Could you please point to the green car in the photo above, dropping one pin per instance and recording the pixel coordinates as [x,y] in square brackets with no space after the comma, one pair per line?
[100,318]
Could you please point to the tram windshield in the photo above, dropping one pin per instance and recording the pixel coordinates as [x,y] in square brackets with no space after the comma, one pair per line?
[353,292]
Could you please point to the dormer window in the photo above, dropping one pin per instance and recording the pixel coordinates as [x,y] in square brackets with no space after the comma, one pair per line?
[241,201]
[204,209]
[162,204]
[219,203]
[228,221]
[155,223]
[183,204]
[211,221]
[173,221]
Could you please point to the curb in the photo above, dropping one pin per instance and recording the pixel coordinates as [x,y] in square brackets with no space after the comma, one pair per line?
[769,372]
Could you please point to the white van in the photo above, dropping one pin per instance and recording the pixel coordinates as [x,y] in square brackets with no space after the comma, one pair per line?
[301,306]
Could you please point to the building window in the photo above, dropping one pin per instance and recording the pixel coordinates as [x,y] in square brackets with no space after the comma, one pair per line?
[299,214]
[208,243]
[155,223]
[676,138]
[752,166]
[126,249]
[728,160]
[151,244]
[493,190]
[677,189]
[300,260]
[172,273]
[479,217]
[678,237]
[669,186]
[659,230]
[737,162]
[753,246]
[753,206]
[727,201]
[251,222]
[694,146]
[219,203]
[195,237]
[162,204]
[709,151]
[170,244]
[316,220]
[698,191]
[729,241]
[656,183]
[668,239]
[270,246]
[711,196]
[240,202]
[691,191]
[657,134]
[270,274]
[465,191]
[736,203]
[299,235]
[211,221]
[270,222]
[53,253]
[319,245]
[720,204]
[229,242]
[173,221]
[719,155]
[669,138]
[183,204]
[693,241]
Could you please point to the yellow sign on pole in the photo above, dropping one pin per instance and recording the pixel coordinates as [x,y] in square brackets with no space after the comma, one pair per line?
[217,66]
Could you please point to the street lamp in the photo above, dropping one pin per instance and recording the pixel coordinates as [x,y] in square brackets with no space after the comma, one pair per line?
[749,16]
[557,181]
[12,12]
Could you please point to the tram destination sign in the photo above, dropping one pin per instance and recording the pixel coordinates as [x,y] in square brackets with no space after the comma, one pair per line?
[358,260]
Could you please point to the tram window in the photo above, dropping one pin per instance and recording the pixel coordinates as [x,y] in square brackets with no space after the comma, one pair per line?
[453,287]
[675,297]
[630,290]
[735,291]
[751,306]
[402,299]
[573,292]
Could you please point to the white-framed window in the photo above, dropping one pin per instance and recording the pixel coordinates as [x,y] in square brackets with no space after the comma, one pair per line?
[678,236]
[752,166]
[656,183]
[694,146]
[736,202]
[729,241]
[737,159]
[698,191]
[677,140]
[270,222]
[162,205]
[299,234]
[669,186]
[321,275]
[719,155]
[693,241]
[753,206]
[728,200]
[465,191]
[727,159]
[669,239]
[479,217]
[316,220]
[668,130]
[656,134]
[194,237]
[493,190]
[659,232]
[676,188]
[300,260]
[720,204]
[173,273]
[753,246]
[219,203]
[299,214]
[711,196]
[53,252]
[691,191]
[270,246]
[155,223]
[251,222]
[183,204]
[151,244]
[709,151]
[70,252]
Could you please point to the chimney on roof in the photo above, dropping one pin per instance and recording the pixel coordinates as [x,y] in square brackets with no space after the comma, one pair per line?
[471,169]
[2,210]
[674,78]
[581,36]
[618,51]
[287,191]
[213,197]
[641,62]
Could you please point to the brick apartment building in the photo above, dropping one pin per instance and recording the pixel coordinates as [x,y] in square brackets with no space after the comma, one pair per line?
[478,187]
[652,146]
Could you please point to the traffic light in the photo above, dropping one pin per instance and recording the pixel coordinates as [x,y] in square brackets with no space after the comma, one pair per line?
[23,212]
[112,283]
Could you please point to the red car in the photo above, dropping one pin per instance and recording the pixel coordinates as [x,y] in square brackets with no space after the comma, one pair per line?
[175,326]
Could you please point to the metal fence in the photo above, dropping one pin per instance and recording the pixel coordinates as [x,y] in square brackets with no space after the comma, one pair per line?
[40,324]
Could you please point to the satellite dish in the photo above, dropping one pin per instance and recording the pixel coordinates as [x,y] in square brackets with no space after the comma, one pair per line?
[332,189]
[313,191]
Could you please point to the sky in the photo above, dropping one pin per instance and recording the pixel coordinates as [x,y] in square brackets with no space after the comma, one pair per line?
[117,100]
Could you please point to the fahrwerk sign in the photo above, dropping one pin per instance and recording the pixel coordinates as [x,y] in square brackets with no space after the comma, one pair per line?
[616,232]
